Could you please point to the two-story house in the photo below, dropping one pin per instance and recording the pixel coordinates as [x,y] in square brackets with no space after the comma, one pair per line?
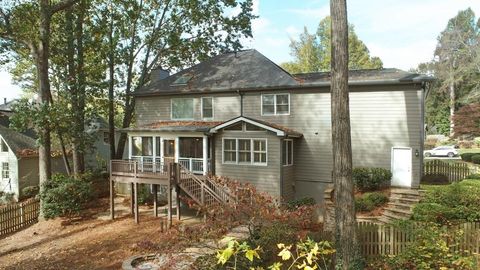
[242,116]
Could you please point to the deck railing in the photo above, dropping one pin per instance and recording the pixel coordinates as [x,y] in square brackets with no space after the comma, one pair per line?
[139,168]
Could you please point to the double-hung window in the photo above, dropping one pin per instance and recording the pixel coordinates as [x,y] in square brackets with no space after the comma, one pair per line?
[276,104]
[207,107]
[5,170]
[245,151]
[230,151]
[287,152]
[182,108]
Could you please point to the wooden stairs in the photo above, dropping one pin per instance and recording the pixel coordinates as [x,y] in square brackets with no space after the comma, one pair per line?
[203,190]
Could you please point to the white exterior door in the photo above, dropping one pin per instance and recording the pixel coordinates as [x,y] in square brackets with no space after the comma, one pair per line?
[402,167]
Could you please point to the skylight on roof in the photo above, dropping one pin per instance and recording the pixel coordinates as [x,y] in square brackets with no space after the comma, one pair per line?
[183,79]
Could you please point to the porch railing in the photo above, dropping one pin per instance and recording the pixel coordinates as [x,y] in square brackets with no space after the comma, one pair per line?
[194,165]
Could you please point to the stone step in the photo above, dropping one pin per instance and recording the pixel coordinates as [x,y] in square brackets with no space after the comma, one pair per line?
[397,213]
[405,191]
[385,220]
[399,205]
[405,198]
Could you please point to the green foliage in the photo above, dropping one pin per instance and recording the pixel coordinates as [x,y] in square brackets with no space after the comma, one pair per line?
[477,141]
[291,205]
[64,196]
[312,52]
[369,201]
[476,159]
[7,197]
[30,191]
[457,202]
[468,156]
[473,176]
[306,255]
[367,179]
[144,195]
[430,250]
[268,236]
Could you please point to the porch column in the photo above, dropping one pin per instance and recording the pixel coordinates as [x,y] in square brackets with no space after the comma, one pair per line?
[129,147]
[205,155]
[177,149]
[154,152]
[161,149]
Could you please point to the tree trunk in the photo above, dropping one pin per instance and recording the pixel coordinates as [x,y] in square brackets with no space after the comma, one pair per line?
[452,107]
[41,55]
[111,86]
[345,227]
[79,136]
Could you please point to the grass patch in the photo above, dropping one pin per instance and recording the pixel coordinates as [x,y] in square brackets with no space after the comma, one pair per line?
[468,150]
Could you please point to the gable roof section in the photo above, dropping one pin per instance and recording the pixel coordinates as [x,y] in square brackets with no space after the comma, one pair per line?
[277,129]
[19,143]
[230,71]
[250,70]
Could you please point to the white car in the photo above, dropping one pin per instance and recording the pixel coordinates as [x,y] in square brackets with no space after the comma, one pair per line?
[441,151]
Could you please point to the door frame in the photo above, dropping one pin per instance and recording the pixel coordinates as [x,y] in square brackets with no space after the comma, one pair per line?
[393,160]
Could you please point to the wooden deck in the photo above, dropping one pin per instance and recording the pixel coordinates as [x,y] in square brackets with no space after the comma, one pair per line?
[132,171]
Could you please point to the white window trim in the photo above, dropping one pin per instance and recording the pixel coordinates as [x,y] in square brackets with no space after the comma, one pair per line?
[275,104]
[251,163]
[6,171]
[213,108]
[287,153]
[171,109]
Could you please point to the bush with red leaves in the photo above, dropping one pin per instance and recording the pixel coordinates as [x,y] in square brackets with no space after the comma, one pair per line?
[467,121]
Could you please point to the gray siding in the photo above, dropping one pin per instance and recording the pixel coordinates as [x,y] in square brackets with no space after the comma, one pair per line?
[153,109]
[382,117]
[264,178]
[288,187]
[380,120]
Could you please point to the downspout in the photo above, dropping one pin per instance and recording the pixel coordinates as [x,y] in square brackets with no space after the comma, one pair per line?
[241,101]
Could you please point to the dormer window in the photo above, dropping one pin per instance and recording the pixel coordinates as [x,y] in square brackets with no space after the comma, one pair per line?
[276,104]
[183,79]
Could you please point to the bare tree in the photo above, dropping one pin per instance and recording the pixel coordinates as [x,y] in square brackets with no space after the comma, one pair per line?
[345,227]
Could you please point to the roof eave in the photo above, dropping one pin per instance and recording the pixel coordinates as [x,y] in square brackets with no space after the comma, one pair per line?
[415,80]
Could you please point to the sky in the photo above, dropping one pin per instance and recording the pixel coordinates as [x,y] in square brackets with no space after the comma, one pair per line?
[403,33]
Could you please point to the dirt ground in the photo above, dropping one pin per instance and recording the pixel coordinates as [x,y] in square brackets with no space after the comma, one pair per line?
[91,243]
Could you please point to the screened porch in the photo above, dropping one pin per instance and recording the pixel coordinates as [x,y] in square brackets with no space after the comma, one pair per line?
[154,151]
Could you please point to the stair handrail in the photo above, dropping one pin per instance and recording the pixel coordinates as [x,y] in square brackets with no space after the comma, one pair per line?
[204,186]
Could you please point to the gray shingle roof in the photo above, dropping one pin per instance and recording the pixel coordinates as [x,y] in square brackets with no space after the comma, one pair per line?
[16,140]
[251,70]
[243,69]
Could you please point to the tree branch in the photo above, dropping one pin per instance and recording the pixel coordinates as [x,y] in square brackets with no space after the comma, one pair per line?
[62,5]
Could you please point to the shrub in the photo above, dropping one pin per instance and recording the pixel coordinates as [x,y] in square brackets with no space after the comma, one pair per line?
[270,235]
[144,195]
[473,176]
[468,156]
[6,197]
[457,202]
[367,179]
[429,250]
[30,191]
[476,159]
[369,201]
[435,179]
[291,205]
[64,196]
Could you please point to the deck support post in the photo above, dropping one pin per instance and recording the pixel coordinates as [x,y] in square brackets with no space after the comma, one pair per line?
[155,199]
[136,203]
[132,198]
[112,198]
[177,189]
[169,194]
